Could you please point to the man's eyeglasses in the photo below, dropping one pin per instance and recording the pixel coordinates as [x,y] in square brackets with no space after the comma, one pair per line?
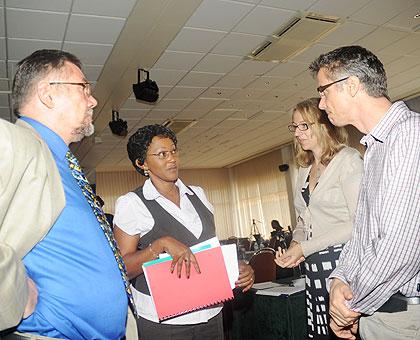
[165,154]
[86,85]
[300,127]
[322,88]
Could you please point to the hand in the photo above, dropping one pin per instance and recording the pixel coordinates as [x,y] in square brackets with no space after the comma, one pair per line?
[32,298]
[246,276]
[347,332]
[290,258]
[340,293]
[181,255]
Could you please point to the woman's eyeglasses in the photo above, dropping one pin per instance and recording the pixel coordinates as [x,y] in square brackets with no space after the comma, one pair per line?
[300,127]
[165,154]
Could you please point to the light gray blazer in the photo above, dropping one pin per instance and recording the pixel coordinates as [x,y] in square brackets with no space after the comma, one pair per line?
[332,203]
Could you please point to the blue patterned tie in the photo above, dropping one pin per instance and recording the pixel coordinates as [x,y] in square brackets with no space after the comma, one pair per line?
[83,183]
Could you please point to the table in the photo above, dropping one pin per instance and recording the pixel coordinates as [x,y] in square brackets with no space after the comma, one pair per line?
[260,317]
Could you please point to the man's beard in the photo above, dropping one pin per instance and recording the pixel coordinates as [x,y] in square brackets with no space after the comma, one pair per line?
[84,131]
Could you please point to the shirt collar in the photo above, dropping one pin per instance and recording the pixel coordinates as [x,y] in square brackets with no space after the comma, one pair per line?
[381,130]
[55,143]
[150,192]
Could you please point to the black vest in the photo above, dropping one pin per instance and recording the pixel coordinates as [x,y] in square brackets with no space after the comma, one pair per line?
[167,225]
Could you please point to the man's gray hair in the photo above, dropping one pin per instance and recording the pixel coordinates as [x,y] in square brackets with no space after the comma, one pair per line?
[354,61]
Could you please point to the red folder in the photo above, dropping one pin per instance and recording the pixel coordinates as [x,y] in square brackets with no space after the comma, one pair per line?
[174,296]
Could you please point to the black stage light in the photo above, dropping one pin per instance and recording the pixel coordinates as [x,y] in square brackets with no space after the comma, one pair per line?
[118,126]
[147,90]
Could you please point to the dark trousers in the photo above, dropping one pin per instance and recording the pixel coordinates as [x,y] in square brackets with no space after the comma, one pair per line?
[211,330]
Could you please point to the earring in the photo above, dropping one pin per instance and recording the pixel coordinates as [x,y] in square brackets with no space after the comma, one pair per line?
[146,172]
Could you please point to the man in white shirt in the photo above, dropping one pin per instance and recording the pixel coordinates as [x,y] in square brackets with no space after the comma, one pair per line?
[376,286]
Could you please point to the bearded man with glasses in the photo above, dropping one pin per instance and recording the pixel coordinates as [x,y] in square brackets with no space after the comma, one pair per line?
[376,285]
[73,268]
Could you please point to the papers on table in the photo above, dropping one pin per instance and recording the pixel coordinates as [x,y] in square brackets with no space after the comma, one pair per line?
[277,289]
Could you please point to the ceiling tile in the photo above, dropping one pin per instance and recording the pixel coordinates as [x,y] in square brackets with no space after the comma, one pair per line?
[403,46]
[2,68]
[401,64]
[21,48]
[181,92]
[204,104]
[30,24]
[218,14]
[195,40]
[178,60]
[172,104]
[89,54]
[217,63]
[378,12]
[200,79]
[264,20]
[218,93]
[288,69]
[133,104]
[340,8]
[4,84]
[238,44]
[46,5]
[166,77]
[253,67]
[310,54]
[161,114]
[347,33]
[235,81]
[2,49]
[110,8]
[406,18]
[266,83]
[289,4]
[106,29]
[2,33]
[4,99]
[381,38]
[92,72]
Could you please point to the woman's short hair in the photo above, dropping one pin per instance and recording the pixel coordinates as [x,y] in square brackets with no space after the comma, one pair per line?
[330,138]
[139,142]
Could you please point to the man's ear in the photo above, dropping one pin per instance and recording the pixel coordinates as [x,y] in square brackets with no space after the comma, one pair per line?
[45,94]
[354,85]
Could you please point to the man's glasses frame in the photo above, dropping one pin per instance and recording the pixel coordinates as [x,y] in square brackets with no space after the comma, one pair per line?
[300,127]
[86,85]
[163,155]
[322,88]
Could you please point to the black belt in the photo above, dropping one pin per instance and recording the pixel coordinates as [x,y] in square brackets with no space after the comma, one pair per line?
[398,303]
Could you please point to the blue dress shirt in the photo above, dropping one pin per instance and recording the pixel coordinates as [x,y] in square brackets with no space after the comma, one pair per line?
[81,293]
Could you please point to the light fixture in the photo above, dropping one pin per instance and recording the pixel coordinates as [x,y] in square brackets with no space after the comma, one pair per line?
[147,90]
[118,126]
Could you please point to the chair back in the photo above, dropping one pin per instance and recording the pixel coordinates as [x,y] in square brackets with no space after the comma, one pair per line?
[263,264]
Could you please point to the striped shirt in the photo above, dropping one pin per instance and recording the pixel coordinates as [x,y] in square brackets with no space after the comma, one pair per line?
[383,255]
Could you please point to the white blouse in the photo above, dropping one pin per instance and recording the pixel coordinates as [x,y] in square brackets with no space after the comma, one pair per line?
[132,216]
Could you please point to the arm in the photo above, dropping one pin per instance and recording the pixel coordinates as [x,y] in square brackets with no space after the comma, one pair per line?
[134,258]
[290,258]
[13,288]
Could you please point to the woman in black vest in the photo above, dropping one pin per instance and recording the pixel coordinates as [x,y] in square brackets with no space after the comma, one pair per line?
[164,215]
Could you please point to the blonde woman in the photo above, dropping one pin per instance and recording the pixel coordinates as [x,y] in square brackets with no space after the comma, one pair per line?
[325,200]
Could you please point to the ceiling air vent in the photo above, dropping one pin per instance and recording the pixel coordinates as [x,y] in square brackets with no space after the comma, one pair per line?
[178,125]
[292,39]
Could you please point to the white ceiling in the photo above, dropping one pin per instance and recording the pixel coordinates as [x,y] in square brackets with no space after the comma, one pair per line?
[196,51]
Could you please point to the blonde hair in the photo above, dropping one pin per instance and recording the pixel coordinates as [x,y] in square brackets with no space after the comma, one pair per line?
[330,138]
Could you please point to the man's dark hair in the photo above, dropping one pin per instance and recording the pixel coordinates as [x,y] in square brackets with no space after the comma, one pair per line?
[35,67]
[139,142]
[354,61]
